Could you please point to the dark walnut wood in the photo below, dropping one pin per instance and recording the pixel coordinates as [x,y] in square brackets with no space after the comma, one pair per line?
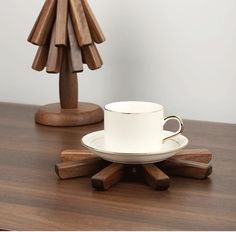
[75,155]
[54,115]
[95,28]
[40,60]
[62,28]
[80,23]
[198,155]
[68,85]
[72,169]
[108,177]
[76,165]
[74,50]
[155,177]
[186,168]
[33,198]
[43,25]
[183,164]
[55,55]
[92,57]
[61,23]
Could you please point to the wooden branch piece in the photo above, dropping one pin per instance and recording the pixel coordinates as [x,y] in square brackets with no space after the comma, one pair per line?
[80,23]
[77,155]
[109,176]
[76,163]
[34,27]
[95,29]
[157,179]
[68,84]
[98,54]
[92,57]
[185,168]
[72,169]
[83,57]
[55,55]
[198,155]
[44,23]
[74,49]
[61,23]
[40,60]
[75,28]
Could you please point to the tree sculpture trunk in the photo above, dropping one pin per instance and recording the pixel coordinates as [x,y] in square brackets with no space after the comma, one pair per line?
[68,85]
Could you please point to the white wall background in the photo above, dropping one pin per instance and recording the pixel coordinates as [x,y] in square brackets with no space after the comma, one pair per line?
[181,53]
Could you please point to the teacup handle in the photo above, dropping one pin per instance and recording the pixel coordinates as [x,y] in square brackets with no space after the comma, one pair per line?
[181,126]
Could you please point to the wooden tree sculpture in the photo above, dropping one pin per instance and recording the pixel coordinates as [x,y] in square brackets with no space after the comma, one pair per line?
[66,32]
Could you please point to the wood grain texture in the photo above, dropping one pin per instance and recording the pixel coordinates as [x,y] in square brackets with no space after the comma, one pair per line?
[61,23]
[80,23]
[43,26]
[55,55]
[185,154]
[98,54]
[77,155]
[35,26]
[72,169]
[95,29]
[92,57]
[32,197]
[108,177]
[155,177]
[68,85]
[54,115]
[40,60]
[198,155]
[74,49]
[186,168]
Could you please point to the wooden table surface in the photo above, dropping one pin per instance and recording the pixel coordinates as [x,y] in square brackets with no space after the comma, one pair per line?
[32,197]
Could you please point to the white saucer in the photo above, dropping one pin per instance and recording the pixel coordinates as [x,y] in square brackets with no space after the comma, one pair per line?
[95,142]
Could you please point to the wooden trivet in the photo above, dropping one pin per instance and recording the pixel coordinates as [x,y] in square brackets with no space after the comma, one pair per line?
[190,163]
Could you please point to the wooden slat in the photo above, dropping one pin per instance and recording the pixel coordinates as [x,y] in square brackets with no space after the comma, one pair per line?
[80,23]
[72,169]
[185,168]
[98,54]
[61,23]
[41,58]
[68,85]
[92,57]
[108,177]
[74,49]
[155,177]
[55,55]
[83,57]
[34,27]
[95,29]
[77,155]
[44,23]
[198,155]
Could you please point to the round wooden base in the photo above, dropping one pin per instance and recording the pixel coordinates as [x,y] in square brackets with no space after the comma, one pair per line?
[85,114]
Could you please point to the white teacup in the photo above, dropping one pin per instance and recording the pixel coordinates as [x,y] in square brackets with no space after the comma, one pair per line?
[136,127]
